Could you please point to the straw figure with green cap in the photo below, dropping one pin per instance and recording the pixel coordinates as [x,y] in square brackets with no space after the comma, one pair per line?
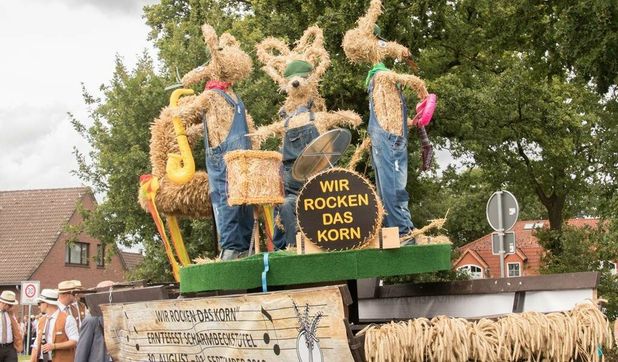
[388,122]
[219,116]
[303,116]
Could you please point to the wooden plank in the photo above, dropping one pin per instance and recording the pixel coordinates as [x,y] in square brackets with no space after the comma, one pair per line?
[566,281]
[254,327]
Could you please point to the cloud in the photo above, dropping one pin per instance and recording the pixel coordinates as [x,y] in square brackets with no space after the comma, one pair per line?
[36,148]
[112,7]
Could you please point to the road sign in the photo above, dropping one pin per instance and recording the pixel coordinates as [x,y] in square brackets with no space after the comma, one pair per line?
[30,292]
[509,243]
[502,210]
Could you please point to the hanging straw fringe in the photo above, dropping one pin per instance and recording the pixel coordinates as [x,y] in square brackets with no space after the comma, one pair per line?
[579,334]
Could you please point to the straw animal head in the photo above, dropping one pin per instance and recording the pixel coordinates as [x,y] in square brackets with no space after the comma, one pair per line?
[297,71]
[363,44]
[228,62]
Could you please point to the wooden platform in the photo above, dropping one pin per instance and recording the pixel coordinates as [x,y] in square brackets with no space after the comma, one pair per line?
[287,268]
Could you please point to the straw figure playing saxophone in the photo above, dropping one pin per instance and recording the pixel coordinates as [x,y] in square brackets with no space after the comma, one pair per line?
[219,115]
[388,122]
[303,116]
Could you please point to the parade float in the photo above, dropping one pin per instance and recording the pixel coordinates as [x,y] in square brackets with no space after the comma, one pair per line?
[317,293]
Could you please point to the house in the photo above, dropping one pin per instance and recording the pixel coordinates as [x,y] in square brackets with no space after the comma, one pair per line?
[478,259]
[33,240]
[131,260]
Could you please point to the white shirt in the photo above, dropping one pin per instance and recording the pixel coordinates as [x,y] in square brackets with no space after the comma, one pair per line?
[7,327]
[70,329]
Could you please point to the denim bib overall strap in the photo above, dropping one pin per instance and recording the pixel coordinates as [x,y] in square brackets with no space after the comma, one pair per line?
[234,223]
[294,142]
[389,157]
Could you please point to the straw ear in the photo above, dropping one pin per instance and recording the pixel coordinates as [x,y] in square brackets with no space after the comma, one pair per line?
[313,37]
[274,54]
[210,38]
[321,58]
[272,50]
[367,22]
[228,40]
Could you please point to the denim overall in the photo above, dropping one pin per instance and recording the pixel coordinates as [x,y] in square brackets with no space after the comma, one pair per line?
[234,223]
[389,156]
[294,142]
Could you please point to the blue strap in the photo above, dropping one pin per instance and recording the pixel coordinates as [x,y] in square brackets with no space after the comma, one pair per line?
[264,272]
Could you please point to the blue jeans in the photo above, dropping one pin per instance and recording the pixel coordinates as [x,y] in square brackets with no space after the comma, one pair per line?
[234,223]
[389,156]
[287,210]
[295,141]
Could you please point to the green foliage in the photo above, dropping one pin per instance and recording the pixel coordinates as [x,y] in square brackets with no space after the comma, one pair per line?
[585,249]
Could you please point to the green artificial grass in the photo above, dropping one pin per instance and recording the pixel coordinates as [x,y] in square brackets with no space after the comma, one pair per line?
[291,269]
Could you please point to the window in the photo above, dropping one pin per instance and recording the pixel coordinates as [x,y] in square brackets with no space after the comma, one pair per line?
[100,256]
[475,272]
[514,269]
[76,253]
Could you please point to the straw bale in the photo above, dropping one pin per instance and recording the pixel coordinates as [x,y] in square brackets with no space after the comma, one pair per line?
[254,177]
[573,335]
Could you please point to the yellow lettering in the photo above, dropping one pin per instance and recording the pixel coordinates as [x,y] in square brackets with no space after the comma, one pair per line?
[322,235]
[353,200]
[343,185]
[319,203]
[327,186]
[327,219]
[347,217]
[355,233]
[363,199]
[344,234]
[308,204]
[331,202]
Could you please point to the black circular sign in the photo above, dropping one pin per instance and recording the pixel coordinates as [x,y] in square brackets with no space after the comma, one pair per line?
[338,209]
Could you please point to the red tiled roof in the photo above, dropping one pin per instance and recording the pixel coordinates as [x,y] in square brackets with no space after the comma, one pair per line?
[528,247]
[30,223]
[131,260]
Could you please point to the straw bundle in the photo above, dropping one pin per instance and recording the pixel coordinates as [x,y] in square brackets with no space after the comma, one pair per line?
[579,334]
[254,177]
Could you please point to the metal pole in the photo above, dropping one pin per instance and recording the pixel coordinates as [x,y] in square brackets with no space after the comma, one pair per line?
[501,234]
[27,351]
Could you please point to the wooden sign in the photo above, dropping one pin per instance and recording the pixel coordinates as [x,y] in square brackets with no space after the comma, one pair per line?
[300,325]
[338,209]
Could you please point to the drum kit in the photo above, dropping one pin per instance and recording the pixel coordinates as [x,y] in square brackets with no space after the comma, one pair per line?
[252,179]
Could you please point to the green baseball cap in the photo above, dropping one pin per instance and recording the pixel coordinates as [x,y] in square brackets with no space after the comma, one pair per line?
[298,68]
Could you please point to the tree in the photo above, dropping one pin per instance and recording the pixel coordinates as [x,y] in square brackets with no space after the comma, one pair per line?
[586,249]
[512,103]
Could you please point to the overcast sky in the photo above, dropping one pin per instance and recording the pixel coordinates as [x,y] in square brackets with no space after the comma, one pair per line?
[48,48]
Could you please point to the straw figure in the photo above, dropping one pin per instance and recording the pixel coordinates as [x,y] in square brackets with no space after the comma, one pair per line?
[389,122]
[303,115]
[219,115]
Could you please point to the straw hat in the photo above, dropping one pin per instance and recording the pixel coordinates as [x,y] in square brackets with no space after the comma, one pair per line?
[49,296]
[67,286]
[78,285]
[8,297]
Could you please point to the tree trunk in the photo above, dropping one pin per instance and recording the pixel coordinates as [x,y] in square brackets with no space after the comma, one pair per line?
[555,212]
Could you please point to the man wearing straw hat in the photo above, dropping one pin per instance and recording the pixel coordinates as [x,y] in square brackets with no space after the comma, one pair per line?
[75,308]
[57,329]
[10,336]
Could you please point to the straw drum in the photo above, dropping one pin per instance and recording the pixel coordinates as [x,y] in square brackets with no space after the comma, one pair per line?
[254,177]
